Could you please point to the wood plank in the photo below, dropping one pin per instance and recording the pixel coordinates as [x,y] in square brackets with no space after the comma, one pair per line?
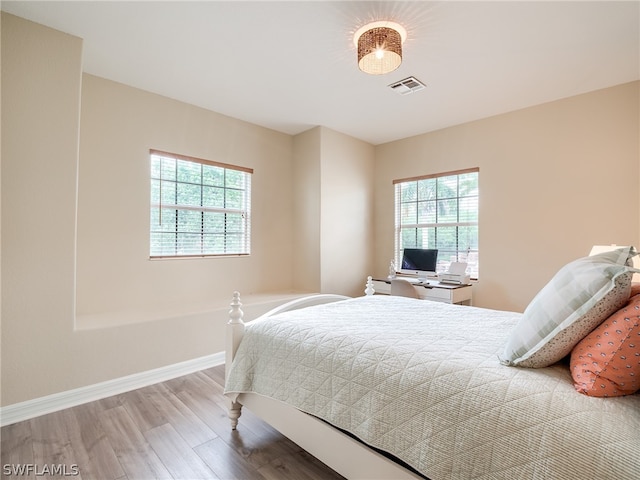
[298,466]
[226,462]
[256,450]
[52,447]
[194,431]
[136,456]
[156,405]
[16,448]
[201,383]
[176,455]
[95,455]
[202,388]
[255,441]
[110,402]
[207,410]
[142,409]
[216,374]
[314,467]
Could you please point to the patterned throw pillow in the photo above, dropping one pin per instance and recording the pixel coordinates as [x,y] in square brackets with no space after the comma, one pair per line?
[579,297]
[606,363]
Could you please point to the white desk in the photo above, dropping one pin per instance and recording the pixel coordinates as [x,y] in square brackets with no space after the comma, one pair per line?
[431,290]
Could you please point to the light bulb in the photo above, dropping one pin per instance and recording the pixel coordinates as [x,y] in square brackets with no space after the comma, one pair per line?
[379,53]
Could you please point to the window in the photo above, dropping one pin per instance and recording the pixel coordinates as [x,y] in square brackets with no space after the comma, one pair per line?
[439,211]
[198,207]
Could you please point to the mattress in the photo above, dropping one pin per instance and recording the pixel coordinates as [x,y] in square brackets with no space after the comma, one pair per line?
[422,381]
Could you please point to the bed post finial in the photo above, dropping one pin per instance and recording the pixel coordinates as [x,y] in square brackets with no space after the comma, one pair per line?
[235,331]
[369,290]
[236,313]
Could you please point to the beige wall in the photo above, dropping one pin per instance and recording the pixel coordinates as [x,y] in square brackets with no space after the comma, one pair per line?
[346,232]
[41,75]
[333,196]
[115,276]
[307,208]
[555,179]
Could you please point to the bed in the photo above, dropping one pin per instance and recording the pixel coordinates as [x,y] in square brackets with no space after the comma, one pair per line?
[384,387]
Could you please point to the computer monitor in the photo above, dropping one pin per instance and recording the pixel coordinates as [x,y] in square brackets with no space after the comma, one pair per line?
[420,262]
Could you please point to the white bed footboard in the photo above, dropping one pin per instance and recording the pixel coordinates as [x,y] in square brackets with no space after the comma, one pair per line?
[235,332]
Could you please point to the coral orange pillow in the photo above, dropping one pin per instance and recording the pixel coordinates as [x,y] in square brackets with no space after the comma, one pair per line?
[606,363]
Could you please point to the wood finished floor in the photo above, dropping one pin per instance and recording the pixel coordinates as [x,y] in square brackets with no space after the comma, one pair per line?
[177,429]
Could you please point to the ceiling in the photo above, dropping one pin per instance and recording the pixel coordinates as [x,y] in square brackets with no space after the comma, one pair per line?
[291,65]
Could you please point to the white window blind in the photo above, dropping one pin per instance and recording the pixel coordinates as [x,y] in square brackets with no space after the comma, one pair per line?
[439,211]
[198,207]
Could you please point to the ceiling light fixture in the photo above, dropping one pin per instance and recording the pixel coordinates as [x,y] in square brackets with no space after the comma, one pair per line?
[379,47]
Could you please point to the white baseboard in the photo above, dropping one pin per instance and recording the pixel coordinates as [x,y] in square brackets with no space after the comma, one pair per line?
[59,401]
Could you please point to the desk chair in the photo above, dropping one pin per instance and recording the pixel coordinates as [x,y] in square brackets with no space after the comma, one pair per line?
[403,288]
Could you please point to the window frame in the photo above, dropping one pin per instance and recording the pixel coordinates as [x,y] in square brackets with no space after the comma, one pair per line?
[244,246]
[470,255]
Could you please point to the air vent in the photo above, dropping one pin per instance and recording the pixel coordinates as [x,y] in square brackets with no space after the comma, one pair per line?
[407,86]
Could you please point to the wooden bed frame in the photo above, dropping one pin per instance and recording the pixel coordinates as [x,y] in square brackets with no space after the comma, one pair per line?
[347,456]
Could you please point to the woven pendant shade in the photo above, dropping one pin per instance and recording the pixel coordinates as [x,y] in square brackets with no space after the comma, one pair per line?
[379,47]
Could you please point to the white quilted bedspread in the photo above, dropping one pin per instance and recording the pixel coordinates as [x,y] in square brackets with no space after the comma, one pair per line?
[422,381]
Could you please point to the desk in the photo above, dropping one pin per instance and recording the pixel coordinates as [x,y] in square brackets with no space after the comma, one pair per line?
[432,290]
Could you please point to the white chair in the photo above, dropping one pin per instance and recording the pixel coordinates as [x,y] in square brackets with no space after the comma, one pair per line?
[402,288]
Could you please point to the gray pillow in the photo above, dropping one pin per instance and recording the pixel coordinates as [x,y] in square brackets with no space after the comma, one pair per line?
[577,299]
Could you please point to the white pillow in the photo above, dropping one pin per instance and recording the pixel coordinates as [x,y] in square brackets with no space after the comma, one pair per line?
[577,299]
